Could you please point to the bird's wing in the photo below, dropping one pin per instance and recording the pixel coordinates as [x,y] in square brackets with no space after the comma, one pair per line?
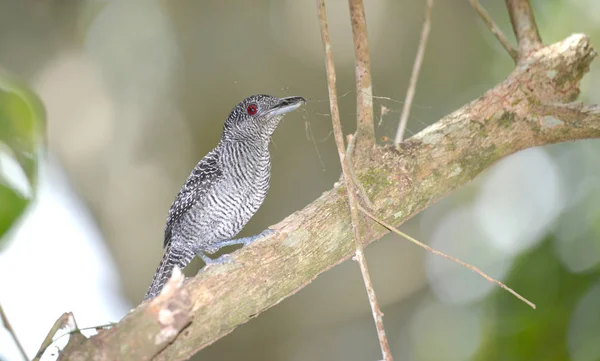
[199,181]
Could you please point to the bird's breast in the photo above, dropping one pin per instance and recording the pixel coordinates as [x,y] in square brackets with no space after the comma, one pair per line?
[235,199]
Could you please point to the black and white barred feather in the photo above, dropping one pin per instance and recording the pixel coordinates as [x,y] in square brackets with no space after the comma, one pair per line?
[225,188]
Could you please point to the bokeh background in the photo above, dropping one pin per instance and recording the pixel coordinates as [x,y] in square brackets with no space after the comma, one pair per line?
[135,93]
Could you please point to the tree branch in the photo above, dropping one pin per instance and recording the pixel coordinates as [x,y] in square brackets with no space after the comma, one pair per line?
[364,87]
[410,92]
[347,172]
[447,256]
[524,26]
[63,321]
[147,331]
[525,110]
[487,19]
[12,333]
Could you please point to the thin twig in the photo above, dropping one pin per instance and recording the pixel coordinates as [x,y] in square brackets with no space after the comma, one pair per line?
[10,330]
[58,324]
[364,89]
[48,341]
[349,151]
[495,29]
[311,136]
[339,140]
[414,77]
[61,322]
[524,26]
[434,251]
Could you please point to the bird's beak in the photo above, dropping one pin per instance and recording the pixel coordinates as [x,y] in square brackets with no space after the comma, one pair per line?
[286,105]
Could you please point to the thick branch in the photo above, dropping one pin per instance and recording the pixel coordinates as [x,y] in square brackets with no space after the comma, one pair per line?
[523,111]
[142,334]
[524,26]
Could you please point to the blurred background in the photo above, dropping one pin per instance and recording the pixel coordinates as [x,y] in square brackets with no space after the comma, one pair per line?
[135,92]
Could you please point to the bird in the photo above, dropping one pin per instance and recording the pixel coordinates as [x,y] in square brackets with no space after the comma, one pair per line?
[225,188]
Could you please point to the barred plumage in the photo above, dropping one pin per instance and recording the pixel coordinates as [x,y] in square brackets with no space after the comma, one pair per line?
[225,188]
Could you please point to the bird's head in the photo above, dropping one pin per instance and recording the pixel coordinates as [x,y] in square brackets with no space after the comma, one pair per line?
[257,117]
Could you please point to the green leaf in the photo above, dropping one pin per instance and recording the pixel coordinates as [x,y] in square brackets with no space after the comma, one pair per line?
[12,205]
[21,138]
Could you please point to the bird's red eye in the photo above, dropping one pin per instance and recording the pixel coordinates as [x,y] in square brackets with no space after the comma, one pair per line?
[252,109]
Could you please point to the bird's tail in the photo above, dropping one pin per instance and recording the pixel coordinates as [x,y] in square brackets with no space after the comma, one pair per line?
[175,255]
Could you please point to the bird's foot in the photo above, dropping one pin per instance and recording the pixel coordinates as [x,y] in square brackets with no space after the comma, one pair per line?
[261,235]
[223,259]
[245,241]
[226,258]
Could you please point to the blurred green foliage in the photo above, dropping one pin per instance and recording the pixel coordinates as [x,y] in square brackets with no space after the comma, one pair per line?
[518,333]
[21,135]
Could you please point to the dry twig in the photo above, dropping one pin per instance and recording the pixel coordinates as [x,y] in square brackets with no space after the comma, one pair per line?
[410,93]
[61,322]
[10,330]
[361,190]
[339,140]
[66,320]
[364,88]
[495,29]
[439,253]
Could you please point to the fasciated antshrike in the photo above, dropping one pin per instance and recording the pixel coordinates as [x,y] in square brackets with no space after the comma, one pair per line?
[225,188]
